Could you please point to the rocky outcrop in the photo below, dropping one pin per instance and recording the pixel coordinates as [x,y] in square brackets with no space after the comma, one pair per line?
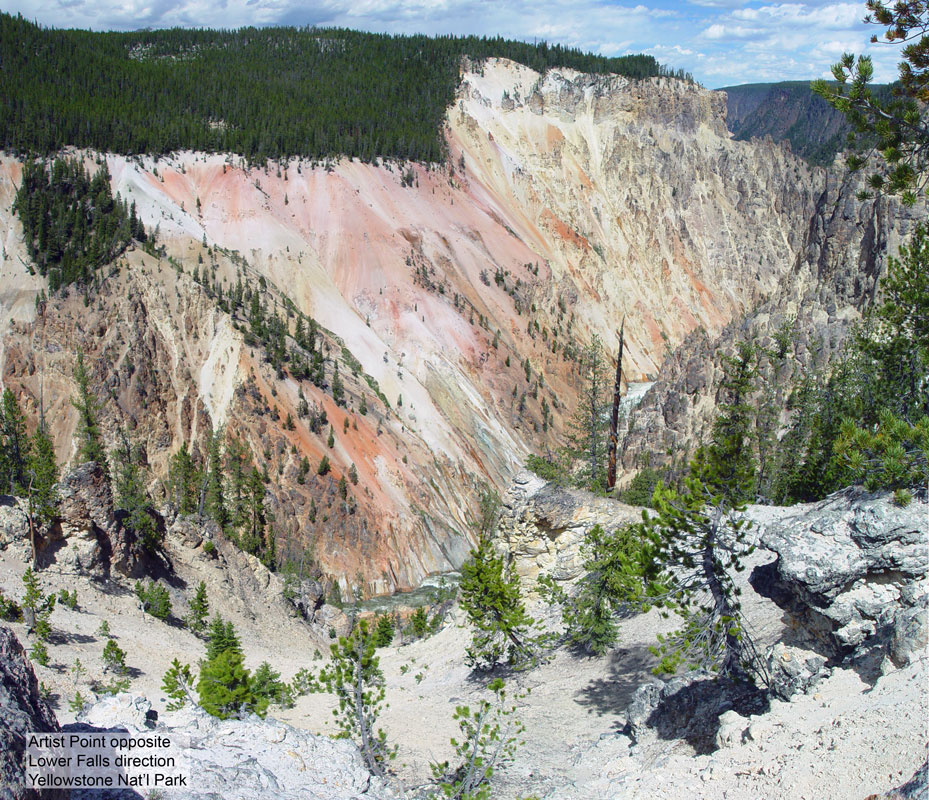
[88,537]
[542,526]
[14,524]
[22,710]
[250,759]
[852,570]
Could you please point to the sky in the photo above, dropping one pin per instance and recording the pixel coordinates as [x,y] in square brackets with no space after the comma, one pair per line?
[720,42]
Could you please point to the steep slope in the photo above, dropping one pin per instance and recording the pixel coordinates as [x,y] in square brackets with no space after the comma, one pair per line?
[834,279]
[787,111]
[454,299]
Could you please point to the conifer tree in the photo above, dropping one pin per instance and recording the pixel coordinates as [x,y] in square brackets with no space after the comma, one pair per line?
[14,445]
[587,428]
[182,481]
[621,573]
[43,471]
[338,390]
[354,676]
[199,609]
[91,439]
[225,687]
[700,538]
[490,596]
[131,496]
[215,502]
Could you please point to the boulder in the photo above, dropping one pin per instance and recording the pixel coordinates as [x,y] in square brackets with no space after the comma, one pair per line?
[851,570]
[22,710]
[792,670]
[542,526]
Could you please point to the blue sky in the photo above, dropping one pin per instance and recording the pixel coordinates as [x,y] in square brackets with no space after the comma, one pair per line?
[721,42]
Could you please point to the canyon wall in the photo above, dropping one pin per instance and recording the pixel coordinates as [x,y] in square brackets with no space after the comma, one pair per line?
[454,299]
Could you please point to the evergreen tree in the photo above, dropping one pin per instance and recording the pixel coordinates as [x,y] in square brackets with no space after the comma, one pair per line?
[215,505]
[222,636]
[338,390]
[114,658]
[846,423]
[894,126]
[91,439]
[154,598]
[15,445]
[199,609]
[699,538]
[355,678]
[491,598]
[131,495]
[43,470]
[621,573]
[177,684]
[588,425]
[183,479]
[267,686]
[488,740]
[225,687]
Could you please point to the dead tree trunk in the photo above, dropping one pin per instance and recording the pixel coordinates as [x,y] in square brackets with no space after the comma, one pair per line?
[614,418]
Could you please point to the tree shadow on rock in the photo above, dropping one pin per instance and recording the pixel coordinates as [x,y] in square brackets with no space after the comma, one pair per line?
[689,709]
[629,668]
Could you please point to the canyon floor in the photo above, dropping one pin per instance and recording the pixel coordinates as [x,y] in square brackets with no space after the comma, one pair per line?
[845,739]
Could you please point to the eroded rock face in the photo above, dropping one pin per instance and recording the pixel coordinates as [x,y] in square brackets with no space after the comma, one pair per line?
[542,526]
[853,568]
[14,524]
[88,537]
[22,710]
[251,759]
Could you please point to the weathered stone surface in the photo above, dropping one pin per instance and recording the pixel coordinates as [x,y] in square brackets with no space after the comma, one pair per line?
[307,597]
[22,710]
[835,274]
[853,568]
[250,759]
[792,670]
[14,525]
[542,526]
[89,538]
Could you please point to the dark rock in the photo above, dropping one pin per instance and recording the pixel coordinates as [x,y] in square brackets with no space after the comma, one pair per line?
[794,671]
[22,710]
[307,596]
[689,707]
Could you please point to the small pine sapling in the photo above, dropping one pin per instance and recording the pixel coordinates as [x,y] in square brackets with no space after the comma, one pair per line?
[489,740]
[355,678]
[178,684]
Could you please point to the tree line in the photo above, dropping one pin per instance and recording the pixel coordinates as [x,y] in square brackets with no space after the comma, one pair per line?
[262,93]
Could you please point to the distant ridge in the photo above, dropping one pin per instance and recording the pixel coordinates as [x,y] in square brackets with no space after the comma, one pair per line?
[787,111]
